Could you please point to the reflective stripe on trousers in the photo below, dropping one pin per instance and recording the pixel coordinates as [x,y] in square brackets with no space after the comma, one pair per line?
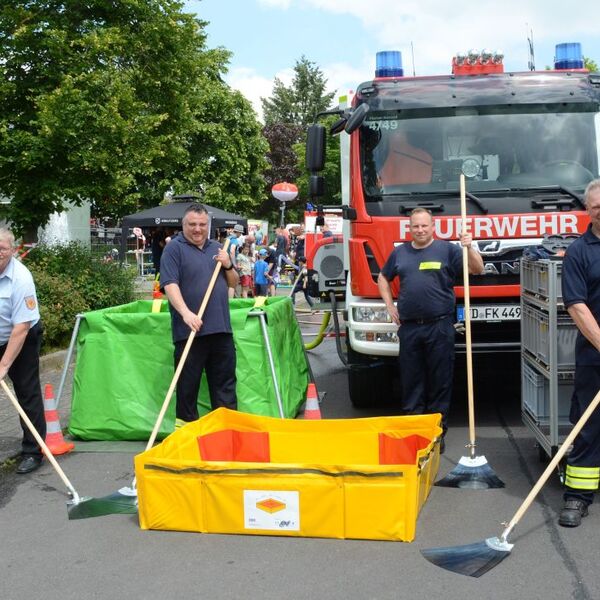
[582,478]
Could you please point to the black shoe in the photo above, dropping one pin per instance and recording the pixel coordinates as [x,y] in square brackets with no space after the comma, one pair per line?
[572,513]
[442,446]
[29,464]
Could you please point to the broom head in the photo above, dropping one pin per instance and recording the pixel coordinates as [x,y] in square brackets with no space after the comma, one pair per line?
[471,559]
[122,502]
[472,473]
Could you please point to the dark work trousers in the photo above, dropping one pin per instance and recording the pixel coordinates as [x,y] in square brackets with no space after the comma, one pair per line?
[427,367]
[299,288]
[583,462]
[214,354]
[25,376]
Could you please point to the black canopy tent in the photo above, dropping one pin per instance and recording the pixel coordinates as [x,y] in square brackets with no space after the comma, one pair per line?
[170,215]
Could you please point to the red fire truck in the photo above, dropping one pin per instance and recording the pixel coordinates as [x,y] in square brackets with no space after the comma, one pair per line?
[527,143]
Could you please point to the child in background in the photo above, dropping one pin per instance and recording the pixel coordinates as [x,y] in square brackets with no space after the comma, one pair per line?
[260,274]
[244,266]
[302,282]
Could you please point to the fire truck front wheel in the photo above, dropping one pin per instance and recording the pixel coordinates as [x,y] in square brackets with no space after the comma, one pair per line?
[371,381]
[371,384]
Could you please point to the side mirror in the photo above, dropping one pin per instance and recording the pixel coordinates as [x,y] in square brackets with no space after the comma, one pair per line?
[316,186]
[315,148]
[320,220]
[356,118]
[338,126]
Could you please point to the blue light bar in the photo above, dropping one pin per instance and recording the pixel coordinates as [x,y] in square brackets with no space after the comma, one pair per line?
[568,56]
[389,64]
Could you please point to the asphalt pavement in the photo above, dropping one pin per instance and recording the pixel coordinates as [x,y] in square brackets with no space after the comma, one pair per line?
[45,555]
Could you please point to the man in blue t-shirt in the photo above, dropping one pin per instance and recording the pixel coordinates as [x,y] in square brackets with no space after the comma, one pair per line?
[427,269]
[581,296]
[186,268]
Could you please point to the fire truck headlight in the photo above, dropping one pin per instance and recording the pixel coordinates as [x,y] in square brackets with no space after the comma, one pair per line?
[376,336]
[367,314]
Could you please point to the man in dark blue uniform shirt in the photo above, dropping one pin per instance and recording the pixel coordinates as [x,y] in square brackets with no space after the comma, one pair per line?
[186,267]
[427,269]
[581,296]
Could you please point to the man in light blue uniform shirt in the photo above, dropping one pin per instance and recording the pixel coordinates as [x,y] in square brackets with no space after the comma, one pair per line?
[20,343]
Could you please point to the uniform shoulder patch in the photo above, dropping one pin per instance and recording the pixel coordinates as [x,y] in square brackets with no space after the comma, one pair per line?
[30,302]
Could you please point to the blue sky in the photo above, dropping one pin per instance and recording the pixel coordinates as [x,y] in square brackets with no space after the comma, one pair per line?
[343,36]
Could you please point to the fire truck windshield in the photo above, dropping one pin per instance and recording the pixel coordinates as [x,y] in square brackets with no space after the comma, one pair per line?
[495,147]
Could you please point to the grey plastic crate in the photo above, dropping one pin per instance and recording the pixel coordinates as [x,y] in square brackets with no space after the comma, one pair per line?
[536,275]
[535,395]
[535,336]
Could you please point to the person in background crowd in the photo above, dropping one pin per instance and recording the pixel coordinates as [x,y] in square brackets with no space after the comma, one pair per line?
[244,265]
[157,245]
[326,231]
[301,284]
[186,268]
[581,297]
[261,281]
[427,270]
[272,274]
[300,237]
[236,241]
[280,245]
[20,343]
[250,243]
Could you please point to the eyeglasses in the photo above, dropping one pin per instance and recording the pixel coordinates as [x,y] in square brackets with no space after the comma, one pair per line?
[5,250]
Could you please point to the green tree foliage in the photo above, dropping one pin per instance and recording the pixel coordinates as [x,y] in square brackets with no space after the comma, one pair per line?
[115,102]
[282,159]
[299,103]
[287,113]
[590,65]
[69,280]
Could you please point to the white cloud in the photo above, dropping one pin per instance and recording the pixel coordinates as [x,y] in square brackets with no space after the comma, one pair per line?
[255,86]
[342,77]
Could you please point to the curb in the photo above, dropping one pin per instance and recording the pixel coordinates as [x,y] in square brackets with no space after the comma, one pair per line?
[52,362]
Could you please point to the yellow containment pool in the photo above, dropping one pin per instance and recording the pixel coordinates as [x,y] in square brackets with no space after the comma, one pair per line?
[231,472]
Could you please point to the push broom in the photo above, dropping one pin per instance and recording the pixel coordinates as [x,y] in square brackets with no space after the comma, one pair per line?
[478,558]
[124,501]
[472,471]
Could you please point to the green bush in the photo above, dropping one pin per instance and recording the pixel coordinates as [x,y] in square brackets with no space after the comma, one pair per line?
[69,280]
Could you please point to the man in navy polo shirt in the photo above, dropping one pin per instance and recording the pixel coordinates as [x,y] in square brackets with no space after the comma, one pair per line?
[581,296]
[427,269]
[186,267]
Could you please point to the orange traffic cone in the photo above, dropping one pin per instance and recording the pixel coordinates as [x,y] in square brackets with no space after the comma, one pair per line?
[311,409]
[54,437]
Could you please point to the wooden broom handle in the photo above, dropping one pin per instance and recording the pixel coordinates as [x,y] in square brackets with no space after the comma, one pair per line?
[469,355]
[552,465]
[186,351]
[40,441]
